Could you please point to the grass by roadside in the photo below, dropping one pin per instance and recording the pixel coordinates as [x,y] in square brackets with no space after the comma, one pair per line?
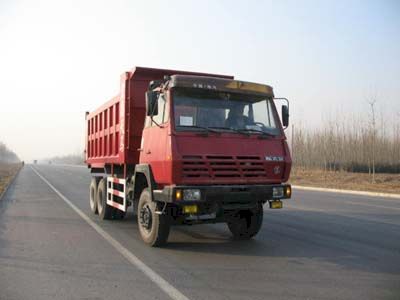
[7,172]
[384,183]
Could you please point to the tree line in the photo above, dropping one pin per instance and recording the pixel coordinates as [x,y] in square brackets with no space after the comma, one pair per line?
[6,155]
[71,159]
[353,145]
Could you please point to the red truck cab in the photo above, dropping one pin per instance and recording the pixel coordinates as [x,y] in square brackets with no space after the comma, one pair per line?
[188,148]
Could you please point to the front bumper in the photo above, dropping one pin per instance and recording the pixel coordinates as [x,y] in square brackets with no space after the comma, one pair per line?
[226,195]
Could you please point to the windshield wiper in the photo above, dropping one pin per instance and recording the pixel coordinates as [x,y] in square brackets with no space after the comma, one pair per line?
[231,129]
[207,129]
[258,131]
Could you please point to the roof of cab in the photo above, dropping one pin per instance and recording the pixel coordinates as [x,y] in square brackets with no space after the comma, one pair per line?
[221,84]
[138,72]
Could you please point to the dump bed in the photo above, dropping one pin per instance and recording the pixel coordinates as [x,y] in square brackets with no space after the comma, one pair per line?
[114,131]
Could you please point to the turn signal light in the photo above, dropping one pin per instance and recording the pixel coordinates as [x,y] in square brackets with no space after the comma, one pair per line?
[178,195]
[288,191]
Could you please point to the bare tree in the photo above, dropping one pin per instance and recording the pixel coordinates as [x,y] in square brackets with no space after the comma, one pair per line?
[372,102]
[6,155]
[350,143]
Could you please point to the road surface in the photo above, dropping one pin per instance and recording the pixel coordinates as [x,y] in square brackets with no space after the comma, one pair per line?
[320,246]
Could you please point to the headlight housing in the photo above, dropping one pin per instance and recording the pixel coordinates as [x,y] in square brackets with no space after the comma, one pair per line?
[277,192]
[191,195]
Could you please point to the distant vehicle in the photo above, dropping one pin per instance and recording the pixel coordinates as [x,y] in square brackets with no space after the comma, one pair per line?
[188,148]
[35,161]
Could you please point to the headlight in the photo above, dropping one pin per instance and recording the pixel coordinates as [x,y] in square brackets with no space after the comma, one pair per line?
[277,192]
[191,195]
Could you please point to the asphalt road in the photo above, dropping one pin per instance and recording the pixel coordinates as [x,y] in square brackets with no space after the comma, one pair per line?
[319,246]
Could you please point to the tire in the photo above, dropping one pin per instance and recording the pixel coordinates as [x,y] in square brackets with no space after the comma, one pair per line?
[246,223]
[153,228]
[105,211]
[93,196]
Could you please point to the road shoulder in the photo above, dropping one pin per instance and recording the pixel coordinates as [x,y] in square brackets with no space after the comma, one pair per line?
[9,180]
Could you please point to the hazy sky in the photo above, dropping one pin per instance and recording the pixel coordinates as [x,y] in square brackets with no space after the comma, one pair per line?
[59,59]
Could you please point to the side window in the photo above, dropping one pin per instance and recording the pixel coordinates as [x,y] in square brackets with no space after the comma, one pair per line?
[163,112]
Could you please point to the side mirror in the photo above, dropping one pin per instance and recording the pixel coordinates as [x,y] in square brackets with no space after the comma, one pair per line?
[151,103]
[285,116]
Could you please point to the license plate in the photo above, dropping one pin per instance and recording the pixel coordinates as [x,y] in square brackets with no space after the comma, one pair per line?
[275,204]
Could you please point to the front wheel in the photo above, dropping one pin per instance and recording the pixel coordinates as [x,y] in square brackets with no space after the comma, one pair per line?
[153,227]
[246,223]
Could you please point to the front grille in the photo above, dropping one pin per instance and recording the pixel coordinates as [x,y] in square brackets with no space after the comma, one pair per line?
[194,166]
[222,166]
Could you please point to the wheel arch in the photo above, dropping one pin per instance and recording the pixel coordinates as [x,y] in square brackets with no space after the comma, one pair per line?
[141,179]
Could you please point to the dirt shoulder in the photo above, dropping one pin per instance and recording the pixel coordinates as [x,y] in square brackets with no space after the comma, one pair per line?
[384,183]
[7,172]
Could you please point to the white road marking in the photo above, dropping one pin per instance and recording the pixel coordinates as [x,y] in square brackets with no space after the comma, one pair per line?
[170,290]
[351,192]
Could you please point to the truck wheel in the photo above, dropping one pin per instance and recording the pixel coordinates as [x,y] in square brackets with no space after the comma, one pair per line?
[246,223]
[105,211]
[93,196]
[153,228]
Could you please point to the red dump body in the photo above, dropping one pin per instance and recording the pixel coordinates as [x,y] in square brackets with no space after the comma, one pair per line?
[114,131]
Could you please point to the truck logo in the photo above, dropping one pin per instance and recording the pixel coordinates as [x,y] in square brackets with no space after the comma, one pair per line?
[277,170]
[274,158]
[204,86]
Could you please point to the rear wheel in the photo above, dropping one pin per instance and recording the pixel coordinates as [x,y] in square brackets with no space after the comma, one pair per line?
[93,195]
[105,211]
[246,223]
[154,228]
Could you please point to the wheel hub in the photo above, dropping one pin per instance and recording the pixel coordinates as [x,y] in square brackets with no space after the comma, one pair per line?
[146,217]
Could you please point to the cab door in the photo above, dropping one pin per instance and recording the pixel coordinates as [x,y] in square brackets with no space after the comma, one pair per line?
[155,140]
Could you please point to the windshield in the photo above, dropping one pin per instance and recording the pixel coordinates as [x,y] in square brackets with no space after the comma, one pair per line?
[224,111]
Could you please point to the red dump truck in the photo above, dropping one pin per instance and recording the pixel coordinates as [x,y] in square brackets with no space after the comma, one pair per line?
[188,148]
